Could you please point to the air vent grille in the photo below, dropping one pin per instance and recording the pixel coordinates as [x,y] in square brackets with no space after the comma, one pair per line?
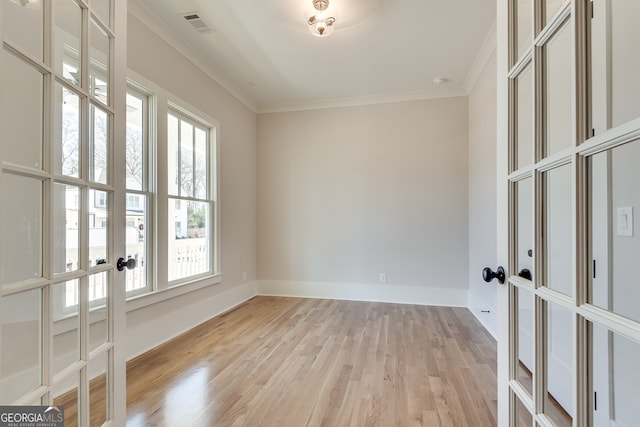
[197,22]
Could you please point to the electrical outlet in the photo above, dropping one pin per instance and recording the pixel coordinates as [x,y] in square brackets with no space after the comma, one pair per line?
[244,276]
[383,277]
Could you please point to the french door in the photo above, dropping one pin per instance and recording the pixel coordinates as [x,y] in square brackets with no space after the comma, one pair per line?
[569,194]
[62,207]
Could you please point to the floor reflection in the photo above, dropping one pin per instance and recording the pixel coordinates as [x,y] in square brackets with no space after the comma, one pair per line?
[137,420]
[188,398]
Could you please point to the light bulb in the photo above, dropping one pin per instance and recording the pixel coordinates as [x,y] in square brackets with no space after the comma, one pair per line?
[321,27]
[321,17]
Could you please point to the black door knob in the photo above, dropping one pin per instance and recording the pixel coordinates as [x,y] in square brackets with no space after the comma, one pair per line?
[488,274]
[525,273]
[129,264]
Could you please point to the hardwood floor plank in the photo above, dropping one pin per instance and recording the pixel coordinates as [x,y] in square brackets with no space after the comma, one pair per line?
[308,362]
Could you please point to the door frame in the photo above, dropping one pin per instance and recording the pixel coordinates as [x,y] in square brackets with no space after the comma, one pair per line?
[502,211]
[118,392]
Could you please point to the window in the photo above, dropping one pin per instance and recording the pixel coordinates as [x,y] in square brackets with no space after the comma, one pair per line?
[190,204]
[140,197]
[185,208]
[100,200]
[133,202]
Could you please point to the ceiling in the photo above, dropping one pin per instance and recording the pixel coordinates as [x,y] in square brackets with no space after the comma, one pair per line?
[381,50]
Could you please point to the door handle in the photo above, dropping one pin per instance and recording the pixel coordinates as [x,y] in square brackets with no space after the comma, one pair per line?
[525,273]
[129,264]
[488,274]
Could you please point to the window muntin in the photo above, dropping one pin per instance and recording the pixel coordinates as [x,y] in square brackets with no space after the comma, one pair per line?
[190,208]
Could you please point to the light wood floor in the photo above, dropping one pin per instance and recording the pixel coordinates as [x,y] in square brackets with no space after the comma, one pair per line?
[304,362]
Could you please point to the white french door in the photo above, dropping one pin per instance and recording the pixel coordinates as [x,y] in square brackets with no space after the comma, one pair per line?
[62,75]
[569,194]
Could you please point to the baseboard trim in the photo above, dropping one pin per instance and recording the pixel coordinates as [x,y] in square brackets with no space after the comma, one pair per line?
[482,318]
[373,292]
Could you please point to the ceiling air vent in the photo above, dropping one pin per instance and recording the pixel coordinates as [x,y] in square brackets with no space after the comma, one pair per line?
[196,22]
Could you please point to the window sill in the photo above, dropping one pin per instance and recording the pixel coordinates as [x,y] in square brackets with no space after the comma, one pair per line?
[70,322]
[143,300]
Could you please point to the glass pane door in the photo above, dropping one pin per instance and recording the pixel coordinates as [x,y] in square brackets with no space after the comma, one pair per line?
[572,145]
[59,310]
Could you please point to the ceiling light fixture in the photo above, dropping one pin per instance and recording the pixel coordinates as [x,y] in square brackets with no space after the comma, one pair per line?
[438,81]
[31,4]
[321,19]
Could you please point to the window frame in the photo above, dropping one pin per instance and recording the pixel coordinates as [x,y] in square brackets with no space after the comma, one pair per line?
[161,101]
[148,189]
[186,115]
[159,288]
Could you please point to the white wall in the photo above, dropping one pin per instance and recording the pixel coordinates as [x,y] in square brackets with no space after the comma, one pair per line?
[625,291]
[625,176]
[625,38]
[347,193]
[155,60]
[482,195]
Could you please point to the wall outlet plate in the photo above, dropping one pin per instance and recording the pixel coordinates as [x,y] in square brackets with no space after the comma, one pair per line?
[383,277]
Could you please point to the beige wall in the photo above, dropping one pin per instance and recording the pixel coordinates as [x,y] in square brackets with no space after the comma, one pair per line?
[155,60]
[482,194]
[347,193]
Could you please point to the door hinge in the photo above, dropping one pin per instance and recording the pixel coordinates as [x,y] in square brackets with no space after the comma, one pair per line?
[593,132]
[592,13]
[595,400]
[594,268]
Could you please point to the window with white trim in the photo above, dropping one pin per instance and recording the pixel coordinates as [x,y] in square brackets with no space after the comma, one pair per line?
[190,204]
[140,195]
[188,247]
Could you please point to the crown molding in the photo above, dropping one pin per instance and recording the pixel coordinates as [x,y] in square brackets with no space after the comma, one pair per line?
[484,54]
[360,101]
[149,18]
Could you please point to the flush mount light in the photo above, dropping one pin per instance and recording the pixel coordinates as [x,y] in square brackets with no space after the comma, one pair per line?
[320,20]
[438,81]
[31,4]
